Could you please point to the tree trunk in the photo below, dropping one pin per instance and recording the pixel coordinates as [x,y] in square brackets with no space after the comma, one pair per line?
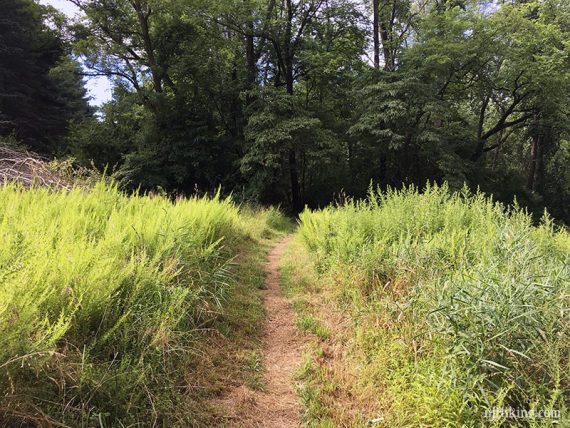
[296,202]
[296,199]
[375,30]
[287,50]
[250,55]
[251,62]
[498,151]
[388,57]
[480,127]
[145,33]
[535,163]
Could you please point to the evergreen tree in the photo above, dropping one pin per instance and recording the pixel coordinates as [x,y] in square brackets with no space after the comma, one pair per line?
[40,87]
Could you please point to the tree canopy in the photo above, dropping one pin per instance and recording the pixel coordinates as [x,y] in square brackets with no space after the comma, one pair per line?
[299,102]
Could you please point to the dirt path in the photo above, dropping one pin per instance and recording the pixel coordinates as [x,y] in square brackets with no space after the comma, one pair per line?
[277,405]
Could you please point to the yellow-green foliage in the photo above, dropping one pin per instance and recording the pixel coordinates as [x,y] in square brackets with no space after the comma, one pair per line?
[459,304]
[101,295]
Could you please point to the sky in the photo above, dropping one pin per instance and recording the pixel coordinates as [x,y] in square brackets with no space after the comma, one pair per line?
[99,88]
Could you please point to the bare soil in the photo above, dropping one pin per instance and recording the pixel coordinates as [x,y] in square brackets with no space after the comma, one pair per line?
[277,405]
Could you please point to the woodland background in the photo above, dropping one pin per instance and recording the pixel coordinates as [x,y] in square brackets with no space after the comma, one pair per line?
[298,102]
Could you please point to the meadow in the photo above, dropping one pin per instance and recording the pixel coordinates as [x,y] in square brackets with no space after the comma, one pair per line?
[419,308]
[430,309]
[106,299]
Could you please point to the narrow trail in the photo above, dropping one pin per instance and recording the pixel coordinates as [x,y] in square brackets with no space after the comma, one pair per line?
[277,405]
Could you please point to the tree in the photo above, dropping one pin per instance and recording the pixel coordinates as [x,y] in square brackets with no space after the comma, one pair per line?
[40,88]
[291,30]
[472,92]
[119,39]
[274,97]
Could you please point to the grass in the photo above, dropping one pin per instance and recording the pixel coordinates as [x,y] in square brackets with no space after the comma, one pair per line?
[442,306]
[326,380]
[111,304]
[310,324]
[421,309]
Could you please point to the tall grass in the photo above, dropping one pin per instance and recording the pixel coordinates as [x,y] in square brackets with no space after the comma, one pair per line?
[459,304]
[102,296]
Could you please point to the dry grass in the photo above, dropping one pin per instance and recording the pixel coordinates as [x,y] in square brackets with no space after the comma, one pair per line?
[29,169]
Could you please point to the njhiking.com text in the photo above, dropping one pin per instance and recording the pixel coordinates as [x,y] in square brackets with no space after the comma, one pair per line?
[513,413]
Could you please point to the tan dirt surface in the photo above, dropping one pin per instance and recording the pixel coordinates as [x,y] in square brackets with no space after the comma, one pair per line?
[277,406]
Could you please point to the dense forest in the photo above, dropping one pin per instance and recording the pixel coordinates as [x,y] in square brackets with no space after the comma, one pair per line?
[298,102]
